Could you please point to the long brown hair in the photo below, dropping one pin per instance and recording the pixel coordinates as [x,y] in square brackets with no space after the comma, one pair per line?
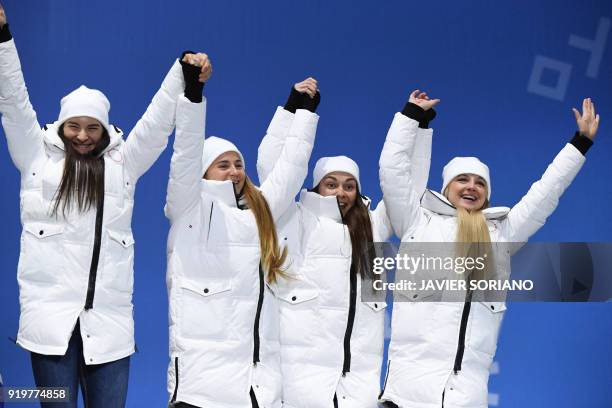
[357,219]
[82,183]
[272,257]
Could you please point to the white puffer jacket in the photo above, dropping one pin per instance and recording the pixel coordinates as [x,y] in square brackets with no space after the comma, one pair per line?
[315,303]
[214,279]
[423,353]
[55,272]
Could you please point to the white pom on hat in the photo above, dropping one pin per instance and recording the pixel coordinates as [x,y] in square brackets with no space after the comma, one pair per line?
[215,147]
[84,101]
[326,165]
[465,165]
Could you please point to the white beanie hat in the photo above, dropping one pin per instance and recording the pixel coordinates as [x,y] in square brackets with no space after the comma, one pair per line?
[215,147]
[465,165]
[326,165]
[85,102]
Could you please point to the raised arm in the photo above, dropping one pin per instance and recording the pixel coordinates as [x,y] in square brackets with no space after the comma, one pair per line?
[186,164]
[23,133]
[286,178]
[149,137]
[304,95]
[530,214]
[401,181]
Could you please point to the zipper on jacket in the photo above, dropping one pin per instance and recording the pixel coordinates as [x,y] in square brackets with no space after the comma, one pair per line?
[346,367]
[95,258]
[176,379]
[462,330]
[212,206]
[257,316]
[386,379]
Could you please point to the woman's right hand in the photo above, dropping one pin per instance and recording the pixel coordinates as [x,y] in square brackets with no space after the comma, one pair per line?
[422,100]
[2,16]
[308,86]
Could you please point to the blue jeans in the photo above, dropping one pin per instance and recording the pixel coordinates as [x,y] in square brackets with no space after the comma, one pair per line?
[102,385]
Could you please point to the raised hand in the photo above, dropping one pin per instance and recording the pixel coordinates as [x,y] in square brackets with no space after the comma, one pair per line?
[421,99]
[588,121]
[2,16]
[308,86]
[200,60]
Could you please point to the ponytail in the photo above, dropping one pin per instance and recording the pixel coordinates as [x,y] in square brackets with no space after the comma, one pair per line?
[272,258]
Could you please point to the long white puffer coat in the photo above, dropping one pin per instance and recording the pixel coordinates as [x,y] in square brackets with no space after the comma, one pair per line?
[315,303]
[214,274]
[55,270]
[425,335]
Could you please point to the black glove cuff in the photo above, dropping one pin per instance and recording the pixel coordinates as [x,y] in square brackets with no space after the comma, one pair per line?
[5,33]
[193,86]
[310,103]
[415,112]
[581,142]
[294,101]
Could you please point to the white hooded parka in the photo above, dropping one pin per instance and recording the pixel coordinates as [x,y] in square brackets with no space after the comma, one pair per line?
[221,346]
[57,274]
[425,369]
[317,311]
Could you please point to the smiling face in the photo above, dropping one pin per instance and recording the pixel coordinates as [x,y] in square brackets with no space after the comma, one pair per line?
[467,191]
[227,166]
[343,186]
[83,133]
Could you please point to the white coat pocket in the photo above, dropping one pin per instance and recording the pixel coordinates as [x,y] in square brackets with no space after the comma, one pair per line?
[206,309]
[485,321]
[41,259]
[118,269]
[299,314]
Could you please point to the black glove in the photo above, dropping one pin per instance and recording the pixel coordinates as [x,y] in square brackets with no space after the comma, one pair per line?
[414,111]
[5,33]
[299,100]
[191,73]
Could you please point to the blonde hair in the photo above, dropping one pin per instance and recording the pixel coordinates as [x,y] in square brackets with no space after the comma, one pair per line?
[272,257]
[473,239]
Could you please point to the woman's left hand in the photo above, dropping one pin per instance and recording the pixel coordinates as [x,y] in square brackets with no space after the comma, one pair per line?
[200,60]
[588,121]
[422,99]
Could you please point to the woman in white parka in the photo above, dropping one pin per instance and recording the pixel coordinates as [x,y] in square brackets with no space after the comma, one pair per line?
[224,262]
[440,352]
[331,340]
[75,270]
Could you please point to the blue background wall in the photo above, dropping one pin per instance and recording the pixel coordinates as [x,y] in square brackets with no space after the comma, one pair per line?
[477,56]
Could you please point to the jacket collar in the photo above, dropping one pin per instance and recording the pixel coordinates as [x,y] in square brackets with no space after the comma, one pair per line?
[52,138]
[319,205]
[222,191]
[325,206]
[437,203]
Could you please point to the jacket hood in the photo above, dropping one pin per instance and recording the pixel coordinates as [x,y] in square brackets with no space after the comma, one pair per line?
[52,138]
[437,203]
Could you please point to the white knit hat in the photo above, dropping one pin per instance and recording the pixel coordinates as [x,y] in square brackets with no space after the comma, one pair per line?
[465,165]
[215,147]
[84,101]
[326,165]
